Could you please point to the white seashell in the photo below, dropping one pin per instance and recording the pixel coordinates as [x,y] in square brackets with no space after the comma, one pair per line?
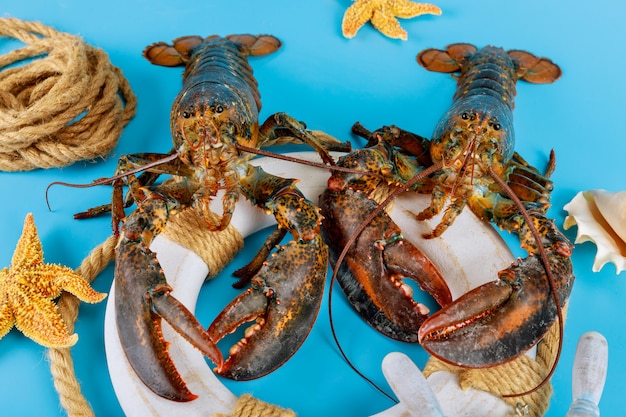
[589,375]
[601,218]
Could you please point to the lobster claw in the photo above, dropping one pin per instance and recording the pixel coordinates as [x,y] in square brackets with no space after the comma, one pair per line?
[500,320]
[283,302]
[142,298]
[371,275]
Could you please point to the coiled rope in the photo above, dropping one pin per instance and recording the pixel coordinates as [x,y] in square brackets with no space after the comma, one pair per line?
[248,406]
[61,100]
[61,363]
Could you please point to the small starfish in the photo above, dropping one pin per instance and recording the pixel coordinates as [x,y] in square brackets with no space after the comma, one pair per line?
[383,15]
[28,288]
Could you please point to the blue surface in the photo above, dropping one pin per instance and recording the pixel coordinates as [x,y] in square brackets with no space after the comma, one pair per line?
[331,82]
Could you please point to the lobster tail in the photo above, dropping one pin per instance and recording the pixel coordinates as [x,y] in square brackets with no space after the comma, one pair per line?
[534,69]
[175,55]
[258,45]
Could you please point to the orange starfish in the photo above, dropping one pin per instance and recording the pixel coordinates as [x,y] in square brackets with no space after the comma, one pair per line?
[383,15]
[28,288]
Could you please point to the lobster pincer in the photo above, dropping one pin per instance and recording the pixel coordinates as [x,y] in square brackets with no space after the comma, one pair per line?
[143,298]
[286,291]
[505,317]
[374,268]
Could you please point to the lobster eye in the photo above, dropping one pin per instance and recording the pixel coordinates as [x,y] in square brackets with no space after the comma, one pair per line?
[186,115]
[464,116]
[496,126]
[219,108]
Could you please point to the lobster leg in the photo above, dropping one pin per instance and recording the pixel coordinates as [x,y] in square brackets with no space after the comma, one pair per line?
[409,142]
[246,272]
[281,125]
[286,292]
[126,165]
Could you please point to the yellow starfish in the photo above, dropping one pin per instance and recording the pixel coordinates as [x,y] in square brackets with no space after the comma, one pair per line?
[383,15]
[28,288]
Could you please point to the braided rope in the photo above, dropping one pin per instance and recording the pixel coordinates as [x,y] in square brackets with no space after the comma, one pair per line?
[216,248]
[61,100]
[248,406]
[61,363]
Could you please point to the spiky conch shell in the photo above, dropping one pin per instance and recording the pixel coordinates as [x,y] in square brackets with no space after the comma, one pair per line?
[600,216]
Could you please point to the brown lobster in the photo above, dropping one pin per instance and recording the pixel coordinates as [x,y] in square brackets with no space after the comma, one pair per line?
[469,162]
[215,114]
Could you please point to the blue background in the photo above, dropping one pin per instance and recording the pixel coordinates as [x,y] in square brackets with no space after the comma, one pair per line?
[331,82]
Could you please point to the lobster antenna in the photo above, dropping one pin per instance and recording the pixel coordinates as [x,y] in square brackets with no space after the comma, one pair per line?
[111,180]
[546,264]
[351,241]
[343,354]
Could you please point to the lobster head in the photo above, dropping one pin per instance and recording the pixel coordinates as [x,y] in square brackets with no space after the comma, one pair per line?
[207,125]
[477,130]
[480,136]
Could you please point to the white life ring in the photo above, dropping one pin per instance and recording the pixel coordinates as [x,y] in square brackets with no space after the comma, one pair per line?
[456,254]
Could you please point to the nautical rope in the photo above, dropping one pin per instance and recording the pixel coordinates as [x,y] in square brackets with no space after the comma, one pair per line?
[61,100]
[61,363]
[216,249]
[379,195]
[248,406]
